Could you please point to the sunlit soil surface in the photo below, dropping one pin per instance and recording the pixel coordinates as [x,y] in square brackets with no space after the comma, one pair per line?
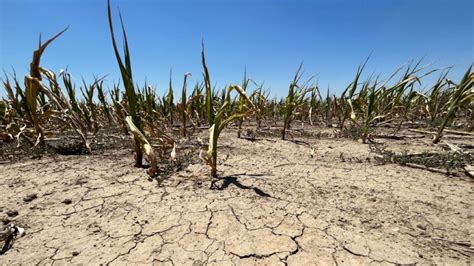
[274,205]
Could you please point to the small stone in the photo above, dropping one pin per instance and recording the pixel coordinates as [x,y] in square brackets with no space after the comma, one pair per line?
[376,226]
[75,253]
[12,213]
[30,197]
[420,226]
[67,201]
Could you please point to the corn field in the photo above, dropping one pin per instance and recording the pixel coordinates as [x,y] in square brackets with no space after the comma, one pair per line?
[43,105]
[104,171]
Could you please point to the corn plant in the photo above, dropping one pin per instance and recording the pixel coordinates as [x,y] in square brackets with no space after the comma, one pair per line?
[33,92]
[218,116]
[376,101]
[436,97]
[15,108]
[185,106]
[314,103]
[70,90]
[294,100]
[242,102]
[63,110]
[398,99]
[261,102]
[168,102]
[149,106]
[344,105]
[16,98]
[462,96]
[134,122]
[103,101]
[408,105]
[328,114]
[89,107]
[196,107]
[118,108]
[371,109]
[58,106]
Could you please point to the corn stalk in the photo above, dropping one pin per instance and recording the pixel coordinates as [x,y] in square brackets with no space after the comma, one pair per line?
[126,73]
[33,92]
[218,116]
[185,106]
[294,100]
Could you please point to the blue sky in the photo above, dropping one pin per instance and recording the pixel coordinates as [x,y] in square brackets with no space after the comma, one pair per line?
[269,38]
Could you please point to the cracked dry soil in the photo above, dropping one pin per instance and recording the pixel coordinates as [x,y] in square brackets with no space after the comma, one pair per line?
[276,205]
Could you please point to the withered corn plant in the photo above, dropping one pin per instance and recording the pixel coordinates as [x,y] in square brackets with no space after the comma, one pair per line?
[218,116]
[242,102]
[343,106]
[437,97]
[35,113]
[168,102]
[148,103]
[119,109]
[70,90]
[42,104]
[461,96]
[134,123]
[328,107]
[197,106]
[403,99]
[185,106]
[294,100]
[89,107]
[62,110]
[103,102]
[15,108]
[375,101]
[313,103]
[261,103]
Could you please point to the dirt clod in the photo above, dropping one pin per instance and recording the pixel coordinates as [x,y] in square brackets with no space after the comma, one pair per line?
[12,213]
[422,227]
[30,197]
[67,201]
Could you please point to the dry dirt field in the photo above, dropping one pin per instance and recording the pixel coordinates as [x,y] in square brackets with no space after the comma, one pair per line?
[275,205]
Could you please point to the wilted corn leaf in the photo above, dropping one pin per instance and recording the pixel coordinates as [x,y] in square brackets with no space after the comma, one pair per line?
[144,145]
[211,141]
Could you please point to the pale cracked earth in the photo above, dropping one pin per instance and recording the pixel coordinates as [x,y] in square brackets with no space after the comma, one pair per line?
[277,206]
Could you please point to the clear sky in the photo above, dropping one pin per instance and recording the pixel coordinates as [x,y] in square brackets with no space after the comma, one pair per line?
[269,38]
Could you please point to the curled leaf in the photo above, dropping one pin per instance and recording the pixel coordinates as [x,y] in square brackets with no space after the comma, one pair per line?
[144,145]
